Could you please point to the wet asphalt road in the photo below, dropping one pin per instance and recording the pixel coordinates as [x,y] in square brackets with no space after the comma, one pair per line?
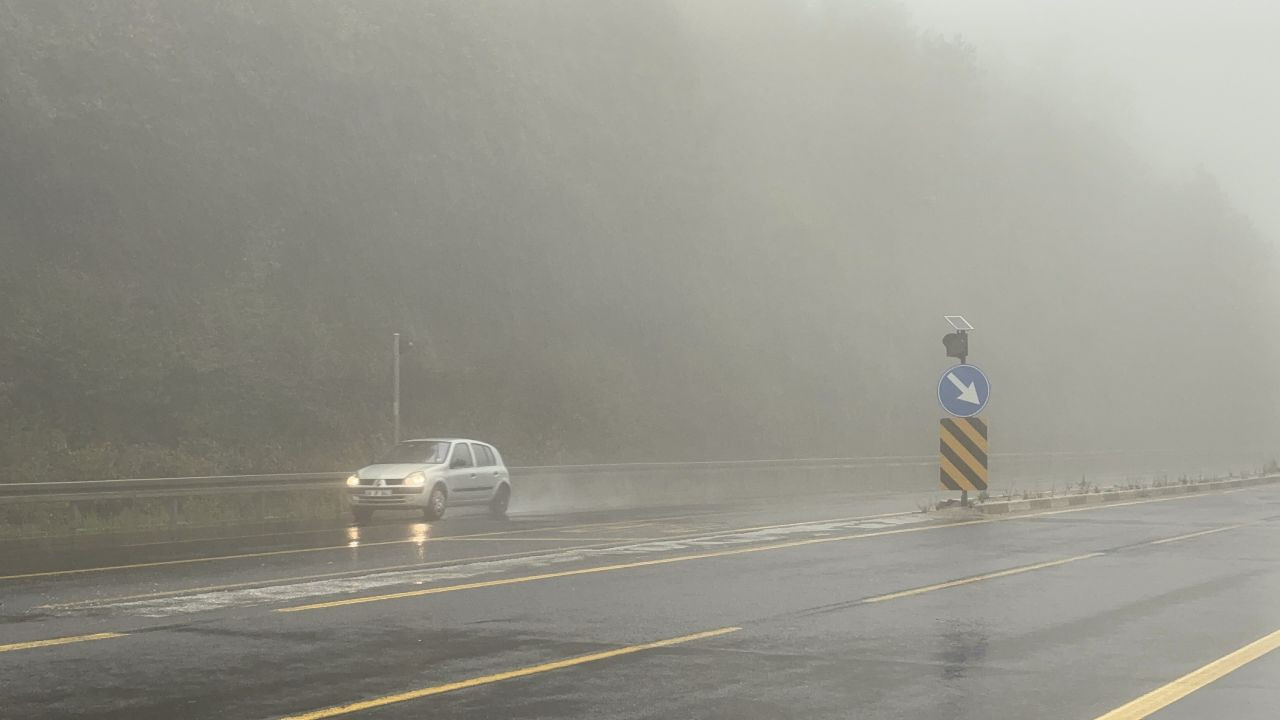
[803,609]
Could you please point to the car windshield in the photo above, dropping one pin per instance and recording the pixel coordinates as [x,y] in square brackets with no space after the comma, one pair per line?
[425,452]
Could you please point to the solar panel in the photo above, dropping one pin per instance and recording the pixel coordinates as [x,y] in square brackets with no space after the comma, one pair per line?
[958,322]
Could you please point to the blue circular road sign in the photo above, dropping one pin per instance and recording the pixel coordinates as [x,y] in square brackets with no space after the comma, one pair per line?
[963,390]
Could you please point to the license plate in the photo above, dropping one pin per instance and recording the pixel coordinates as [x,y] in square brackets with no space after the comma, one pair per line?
[377,493]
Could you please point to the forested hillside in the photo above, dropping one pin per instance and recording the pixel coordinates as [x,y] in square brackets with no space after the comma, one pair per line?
[614,231]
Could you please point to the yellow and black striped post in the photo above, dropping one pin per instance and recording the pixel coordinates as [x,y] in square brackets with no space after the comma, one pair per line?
[963,446]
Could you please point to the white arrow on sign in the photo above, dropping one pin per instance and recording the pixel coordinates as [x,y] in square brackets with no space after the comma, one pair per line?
[968,393]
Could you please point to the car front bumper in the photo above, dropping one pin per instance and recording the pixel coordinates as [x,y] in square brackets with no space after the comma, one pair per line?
[365,496]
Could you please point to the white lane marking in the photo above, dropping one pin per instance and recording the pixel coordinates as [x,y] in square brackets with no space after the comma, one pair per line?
[292,592]
[569,542]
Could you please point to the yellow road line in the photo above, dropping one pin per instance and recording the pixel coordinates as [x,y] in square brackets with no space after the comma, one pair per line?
[294,551]
[703,556]
[620,527]
[611,568]
[681,558]
[608,542]
[1030,568]
[347,547]
[187,561]
[1163,697]
[59,641]
[1037,566]
[337,710]
[304,578]
[1198,534]
[415,541]
[978,578]
[322,576]
[568,539]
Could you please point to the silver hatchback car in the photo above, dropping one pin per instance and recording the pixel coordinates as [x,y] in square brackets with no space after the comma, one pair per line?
[432,474]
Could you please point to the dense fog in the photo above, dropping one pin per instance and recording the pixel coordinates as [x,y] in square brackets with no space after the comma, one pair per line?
[1190,83]
[613,230]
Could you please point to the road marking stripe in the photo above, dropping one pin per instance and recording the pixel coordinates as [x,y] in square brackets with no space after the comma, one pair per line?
[293,551]
[1198,534]
[1163,697]
[871,600]
[569,539]
[622,527]
[609,542]
[416,541]
[337,710]
[270,553]
[225,538]
[621,541]
[304,578]
[702,556]
[59,641]
[610,568]
[1037,566]
[978,578]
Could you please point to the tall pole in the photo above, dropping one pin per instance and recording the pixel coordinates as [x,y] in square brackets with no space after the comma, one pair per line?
[964,360]
[395,386]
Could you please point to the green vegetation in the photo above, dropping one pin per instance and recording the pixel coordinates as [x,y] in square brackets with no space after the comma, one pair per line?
[67,517]
[614,230]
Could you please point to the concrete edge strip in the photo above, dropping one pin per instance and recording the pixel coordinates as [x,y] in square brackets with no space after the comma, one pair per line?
[1102,498]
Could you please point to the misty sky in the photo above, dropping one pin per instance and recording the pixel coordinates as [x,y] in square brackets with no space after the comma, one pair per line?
[1195,82]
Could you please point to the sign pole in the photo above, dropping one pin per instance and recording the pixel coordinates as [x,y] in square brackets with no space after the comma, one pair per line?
[963,392]
[964,360]
[395,388]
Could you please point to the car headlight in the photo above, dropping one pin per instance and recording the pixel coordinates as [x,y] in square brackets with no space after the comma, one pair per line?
[416,480]
[353,481]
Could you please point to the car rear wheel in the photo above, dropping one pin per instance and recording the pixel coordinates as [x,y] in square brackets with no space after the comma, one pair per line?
[498,505]
[435,504]
[362,515]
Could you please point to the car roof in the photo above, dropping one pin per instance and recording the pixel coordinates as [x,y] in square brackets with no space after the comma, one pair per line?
[444,440]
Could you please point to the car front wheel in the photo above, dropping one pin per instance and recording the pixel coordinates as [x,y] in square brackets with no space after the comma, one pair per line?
[498,505]
[435,504]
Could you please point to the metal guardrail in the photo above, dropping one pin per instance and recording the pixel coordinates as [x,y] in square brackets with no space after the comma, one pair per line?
[851,462]
[241,483]
[129,486]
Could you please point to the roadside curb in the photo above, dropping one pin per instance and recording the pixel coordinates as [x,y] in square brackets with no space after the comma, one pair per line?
[1111,496]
